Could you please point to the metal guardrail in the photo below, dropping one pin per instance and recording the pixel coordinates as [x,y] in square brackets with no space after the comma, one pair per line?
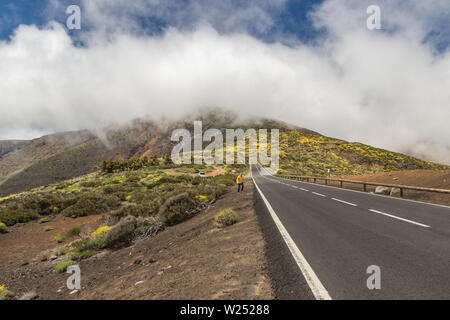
[363,183]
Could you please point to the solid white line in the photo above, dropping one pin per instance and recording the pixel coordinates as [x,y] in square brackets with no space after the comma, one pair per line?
[319,194]
[403,219]
[318,290]
[349,203]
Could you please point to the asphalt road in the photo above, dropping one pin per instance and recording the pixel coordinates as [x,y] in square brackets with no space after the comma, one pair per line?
[336,234]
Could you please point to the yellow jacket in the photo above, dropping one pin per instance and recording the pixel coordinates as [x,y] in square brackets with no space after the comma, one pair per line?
[240,179]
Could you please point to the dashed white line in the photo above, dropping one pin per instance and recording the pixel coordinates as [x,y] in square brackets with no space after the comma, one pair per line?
[349,203]
[304,189]
[403,219]
[319,194]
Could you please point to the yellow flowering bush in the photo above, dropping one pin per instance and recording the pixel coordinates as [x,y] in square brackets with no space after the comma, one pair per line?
[3,228]
[146,178]
[11,196]
[202,197]
[100,232]
[5,293]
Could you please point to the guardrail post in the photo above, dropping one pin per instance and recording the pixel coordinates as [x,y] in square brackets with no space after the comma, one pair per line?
[340,184]
[326,181]
[401,192]
[364,187]
[307,179]
[315,180]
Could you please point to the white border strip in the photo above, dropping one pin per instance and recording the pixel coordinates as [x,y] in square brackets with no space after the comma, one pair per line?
[318,290]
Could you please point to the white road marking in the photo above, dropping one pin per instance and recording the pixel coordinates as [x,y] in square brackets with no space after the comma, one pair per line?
[403,219]
[294,187]
[349,203]
[304,189]
[373,194]
[319,291]
[319,194]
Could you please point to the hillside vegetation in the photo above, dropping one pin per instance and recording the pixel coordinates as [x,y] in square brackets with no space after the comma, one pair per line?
[148,191]
[133,203]
[313,154]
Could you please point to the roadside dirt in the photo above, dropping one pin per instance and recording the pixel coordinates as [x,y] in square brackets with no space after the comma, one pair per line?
[26,243]
[192,260]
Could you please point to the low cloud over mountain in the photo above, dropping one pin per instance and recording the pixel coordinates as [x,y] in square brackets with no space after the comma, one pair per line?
[386,87]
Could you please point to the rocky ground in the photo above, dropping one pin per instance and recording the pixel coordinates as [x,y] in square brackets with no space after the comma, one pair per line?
[192,260]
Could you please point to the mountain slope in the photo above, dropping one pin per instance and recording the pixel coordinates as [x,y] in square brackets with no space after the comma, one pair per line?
[62,156]
[313,154]
[54,158]
[23,154]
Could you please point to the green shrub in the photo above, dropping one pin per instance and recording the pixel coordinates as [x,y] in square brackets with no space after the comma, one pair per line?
[97,243]
[43,205]
[225,218]
[91,184]
[69,202]
[47,229]
[134,210]
[89,204]
[122,233]
[227,179]
[73,232]
[196,181]
[138,195]
[44,220]
[178,208]
[81,244]
[62,266]
[40,202]
[61,252]
[85,254]
[12,216]
[76,254]
[108,190]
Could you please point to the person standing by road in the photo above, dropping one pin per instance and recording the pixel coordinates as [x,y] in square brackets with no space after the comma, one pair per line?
[240,182]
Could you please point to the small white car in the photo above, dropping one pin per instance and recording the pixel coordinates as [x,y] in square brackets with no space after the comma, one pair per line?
[202,174]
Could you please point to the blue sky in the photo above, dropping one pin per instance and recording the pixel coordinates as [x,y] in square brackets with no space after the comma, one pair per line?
[291,20]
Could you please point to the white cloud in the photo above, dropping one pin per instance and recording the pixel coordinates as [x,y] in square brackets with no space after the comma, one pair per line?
[386,89]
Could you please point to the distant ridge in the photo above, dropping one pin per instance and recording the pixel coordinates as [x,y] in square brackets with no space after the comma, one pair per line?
[56,157]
